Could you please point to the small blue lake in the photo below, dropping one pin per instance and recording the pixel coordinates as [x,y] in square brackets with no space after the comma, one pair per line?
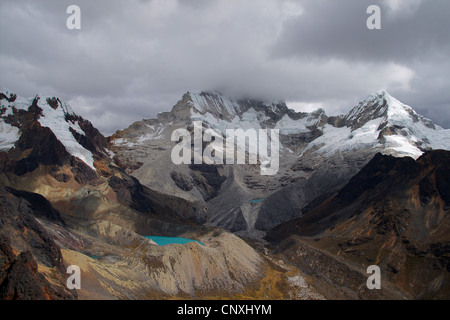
[162,241]
[256,200]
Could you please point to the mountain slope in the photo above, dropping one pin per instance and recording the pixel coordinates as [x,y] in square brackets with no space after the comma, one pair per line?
[20,277]
[394,214]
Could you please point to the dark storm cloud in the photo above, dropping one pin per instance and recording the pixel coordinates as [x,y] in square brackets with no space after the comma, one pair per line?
[337,29]
[414,34]
[134,58]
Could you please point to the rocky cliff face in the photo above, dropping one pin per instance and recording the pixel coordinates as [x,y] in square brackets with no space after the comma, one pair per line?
[24,245]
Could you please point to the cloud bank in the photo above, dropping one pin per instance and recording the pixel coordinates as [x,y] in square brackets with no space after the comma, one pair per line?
[135,58]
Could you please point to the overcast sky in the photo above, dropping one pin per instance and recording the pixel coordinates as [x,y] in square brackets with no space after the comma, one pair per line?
[134,58]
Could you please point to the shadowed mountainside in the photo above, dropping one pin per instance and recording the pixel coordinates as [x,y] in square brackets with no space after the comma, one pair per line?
[394,213]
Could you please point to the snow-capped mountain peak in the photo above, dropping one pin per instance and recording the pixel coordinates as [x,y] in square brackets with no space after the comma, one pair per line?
[381,121]
[227,108]
[382,105]
[50,112]
[214,103]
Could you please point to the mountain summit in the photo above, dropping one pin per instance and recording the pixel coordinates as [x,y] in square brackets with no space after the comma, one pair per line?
[318,153]
[382,105]
[399,127]
[20,116]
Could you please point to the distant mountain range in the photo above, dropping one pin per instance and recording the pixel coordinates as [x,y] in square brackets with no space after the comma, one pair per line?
[349,191]
[318,154]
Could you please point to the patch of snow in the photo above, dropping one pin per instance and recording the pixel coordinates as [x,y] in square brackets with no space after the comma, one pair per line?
[8,135]
[20,104]
[123,142]
[403,146]
[344,139]
[55,120]
[439,138]
[289,126]
[149,136]
[298,281]
[110,153]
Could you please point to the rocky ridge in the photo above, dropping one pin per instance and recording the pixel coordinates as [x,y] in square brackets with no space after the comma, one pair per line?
[393,214]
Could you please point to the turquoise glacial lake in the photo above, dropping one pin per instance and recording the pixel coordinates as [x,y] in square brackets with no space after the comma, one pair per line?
[162,241]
